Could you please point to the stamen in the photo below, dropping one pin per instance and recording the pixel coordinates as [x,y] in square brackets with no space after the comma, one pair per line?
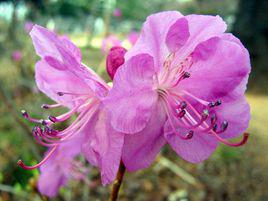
[213,104]
[181,114]
[190,134]
[224,126]
[52,118]
[183,105]
[186,75]
[47,106]
[60,93]
[21,163]
[226,142]
[27,116]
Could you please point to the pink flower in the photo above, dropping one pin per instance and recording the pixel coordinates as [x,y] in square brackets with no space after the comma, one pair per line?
[183,83]
[62,76]
[109,42]
[28,26]
[133,37]
[16,55]
[117,12]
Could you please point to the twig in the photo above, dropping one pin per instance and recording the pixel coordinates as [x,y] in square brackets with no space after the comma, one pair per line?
[117,183]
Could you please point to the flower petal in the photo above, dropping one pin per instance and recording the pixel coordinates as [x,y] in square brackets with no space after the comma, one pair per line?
[237,113]
[132,99]
[216,72]
[57,170]
[194,150]
[103,146]
[201,28]
[177,35]
[45,42]
[51,80]
[153,36]
[140,150]
[50,181]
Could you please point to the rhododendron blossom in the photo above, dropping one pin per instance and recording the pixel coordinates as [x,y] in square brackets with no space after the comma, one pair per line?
[62,76]
[182,83]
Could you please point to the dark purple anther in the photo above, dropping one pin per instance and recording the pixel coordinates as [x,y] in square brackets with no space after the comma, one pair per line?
[181,113]
[24,114]
[218,102]
[37,130]
[213,119]
[44,106]
[52,118]
[190,134]
[183,105]
[43,122]
[50,131]
[60,93]
[213,104]
[215,127]
[186,75]
[224,126]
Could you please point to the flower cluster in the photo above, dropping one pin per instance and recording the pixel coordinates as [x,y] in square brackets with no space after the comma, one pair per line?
[182,84]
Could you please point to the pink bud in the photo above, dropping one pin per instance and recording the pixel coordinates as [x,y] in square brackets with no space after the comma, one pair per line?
[115,58]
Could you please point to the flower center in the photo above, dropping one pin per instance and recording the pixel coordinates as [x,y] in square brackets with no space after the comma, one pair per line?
[186,111]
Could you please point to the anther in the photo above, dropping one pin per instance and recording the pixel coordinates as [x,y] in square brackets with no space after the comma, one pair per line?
[218,102]
[43,122]
[52,118]
[186,75]
[60,93]
[183,105]
[181,114]
[190,134]
[45,106]
[213,119]
[224,126]
[215,127]
[24,114]
[213,104]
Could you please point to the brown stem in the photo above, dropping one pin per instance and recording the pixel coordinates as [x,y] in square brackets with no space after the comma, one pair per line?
[118,181]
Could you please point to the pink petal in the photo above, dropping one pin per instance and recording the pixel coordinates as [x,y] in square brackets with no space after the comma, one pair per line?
[237,113]
[140,150]
[51,80]
[225,65]
[56,172]
[177,35]
[50,181]
[132,98]
[45,42]
[201,28]
[194,150]
[153,36]
[103,146]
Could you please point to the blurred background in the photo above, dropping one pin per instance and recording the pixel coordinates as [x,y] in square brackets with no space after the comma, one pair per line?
[94,26]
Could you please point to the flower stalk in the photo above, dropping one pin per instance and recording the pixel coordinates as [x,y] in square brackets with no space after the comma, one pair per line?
[118,181]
